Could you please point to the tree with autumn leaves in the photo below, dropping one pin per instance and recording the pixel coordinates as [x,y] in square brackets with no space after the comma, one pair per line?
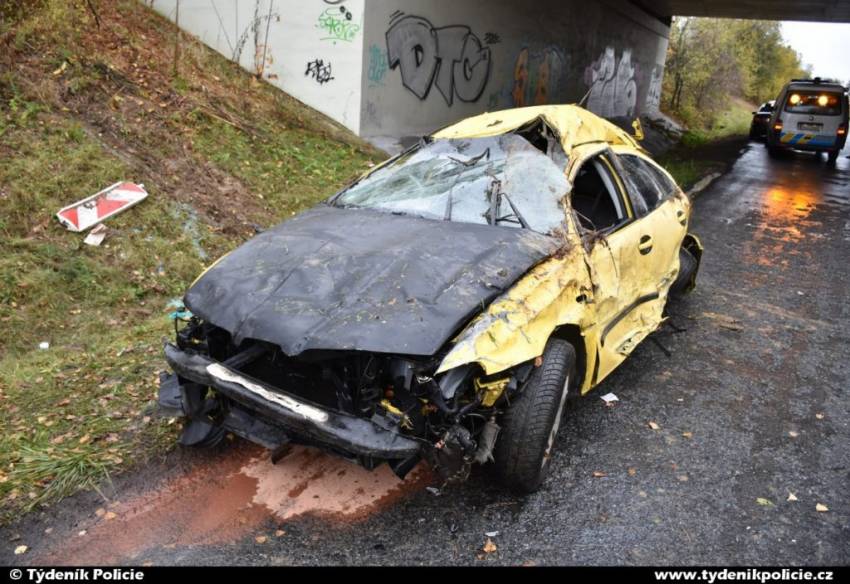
[711,60]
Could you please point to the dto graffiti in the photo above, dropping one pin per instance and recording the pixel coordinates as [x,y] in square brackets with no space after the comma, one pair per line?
[377,65]
[537,76]
[613,91]
[337,24]
[450,57]
[258,27]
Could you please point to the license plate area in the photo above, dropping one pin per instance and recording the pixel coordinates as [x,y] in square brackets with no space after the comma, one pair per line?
[809,127]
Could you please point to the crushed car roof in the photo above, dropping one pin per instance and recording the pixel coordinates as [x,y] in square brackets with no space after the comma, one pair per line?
[575,126]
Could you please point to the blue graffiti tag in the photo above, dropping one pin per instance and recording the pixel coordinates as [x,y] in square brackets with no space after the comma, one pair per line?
[378,66]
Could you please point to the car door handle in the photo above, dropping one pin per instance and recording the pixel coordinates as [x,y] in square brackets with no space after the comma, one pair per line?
[680,215]
[645,245]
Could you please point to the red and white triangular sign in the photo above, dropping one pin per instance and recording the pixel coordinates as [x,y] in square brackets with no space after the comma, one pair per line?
[100,206]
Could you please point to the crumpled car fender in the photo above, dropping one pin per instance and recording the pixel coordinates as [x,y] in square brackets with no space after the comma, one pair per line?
[517,325]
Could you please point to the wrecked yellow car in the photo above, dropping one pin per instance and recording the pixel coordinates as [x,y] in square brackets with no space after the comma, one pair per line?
[444,305]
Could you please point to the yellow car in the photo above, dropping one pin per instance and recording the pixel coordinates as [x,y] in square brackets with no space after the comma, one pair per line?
[443,306]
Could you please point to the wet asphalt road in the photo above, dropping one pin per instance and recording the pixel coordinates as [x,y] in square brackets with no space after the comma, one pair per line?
[752,405]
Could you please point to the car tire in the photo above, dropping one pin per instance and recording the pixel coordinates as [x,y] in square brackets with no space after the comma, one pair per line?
[530,424]
[832,157]
[687,268]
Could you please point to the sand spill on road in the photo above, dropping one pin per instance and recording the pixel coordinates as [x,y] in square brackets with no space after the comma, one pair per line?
[310,481]
[224,501]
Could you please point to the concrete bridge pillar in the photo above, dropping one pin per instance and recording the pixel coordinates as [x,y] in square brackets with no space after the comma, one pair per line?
[393,68]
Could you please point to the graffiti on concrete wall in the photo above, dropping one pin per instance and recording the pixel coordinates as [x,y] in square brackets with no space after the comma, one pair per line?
[653,94]
[613,90]
[258,28]
[492,38]
[377,67]
[337,24]
[319,71]
[537,76]
[450,57]
[372,115]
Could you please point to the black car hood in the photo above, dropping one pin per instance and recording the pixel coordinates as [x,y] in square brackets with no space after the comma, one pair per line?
[354,279]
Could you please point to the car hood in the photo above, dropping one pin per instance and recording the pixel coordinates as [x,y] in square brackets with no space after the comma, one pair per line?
[356,279]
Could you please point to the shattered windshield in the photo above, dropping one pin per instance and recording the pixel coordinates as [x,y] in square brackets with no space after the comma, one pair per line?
[501,180]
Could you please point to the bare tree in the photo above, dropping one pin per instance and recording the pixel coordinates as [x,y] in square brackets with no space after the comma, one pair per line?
[176,39]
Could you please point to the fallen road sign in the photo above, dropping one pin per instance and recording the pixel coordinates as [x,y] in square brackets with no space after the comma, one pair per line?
[110,201]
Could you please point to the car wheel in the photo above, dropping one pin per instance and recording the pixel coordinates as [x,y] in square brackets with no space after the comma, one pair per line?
[687,268]
[832,156]
[531,423]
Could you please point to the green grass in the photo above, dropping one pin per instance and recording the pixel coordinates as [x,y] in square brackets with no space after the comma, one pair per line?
[688,172]
[81,408]
[84,409]
[689,162]
[289,170]
[732,121]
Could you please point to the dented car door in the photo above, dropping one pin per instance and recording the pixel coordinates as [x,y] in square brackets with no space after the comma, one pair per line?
[615,240]
[638,306]
[665,221]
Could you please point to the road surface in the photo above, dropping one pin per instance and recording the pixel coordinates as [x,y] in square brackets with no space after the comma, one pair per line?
[752,409]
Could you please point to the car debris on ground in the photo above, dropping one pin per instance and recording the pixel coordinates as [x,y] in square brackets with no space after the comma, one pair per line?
[96,236]
[610,399]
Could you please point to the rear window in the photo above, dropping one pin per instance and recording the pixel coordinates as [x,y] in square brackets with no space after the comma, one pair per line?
[820,103]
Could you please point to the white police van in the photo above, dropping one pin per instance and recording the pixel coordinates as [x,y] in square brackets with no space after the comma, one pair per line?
[810,114]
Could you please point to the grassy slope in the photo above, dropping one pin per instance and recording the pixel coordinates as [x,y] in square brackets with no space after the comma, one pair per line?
[82,107]
[688,163]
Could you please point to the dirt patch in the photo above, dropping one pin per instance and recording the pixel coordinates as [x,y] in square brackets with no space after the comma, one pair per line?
[211,504]
[231,498]
[333,488]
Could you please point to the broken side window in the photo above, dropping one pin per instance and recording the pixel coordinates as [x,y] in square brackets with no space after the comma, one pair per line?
[595,198]
[501,180]
[665,183]
[643,191]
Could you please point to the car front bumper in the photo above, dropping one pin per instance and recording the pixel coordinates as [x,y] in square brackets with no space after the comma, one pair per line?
[266,415]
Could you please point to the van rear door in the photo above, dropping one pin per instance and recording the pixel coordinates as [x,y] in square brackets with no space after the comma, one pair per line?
[811,117]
